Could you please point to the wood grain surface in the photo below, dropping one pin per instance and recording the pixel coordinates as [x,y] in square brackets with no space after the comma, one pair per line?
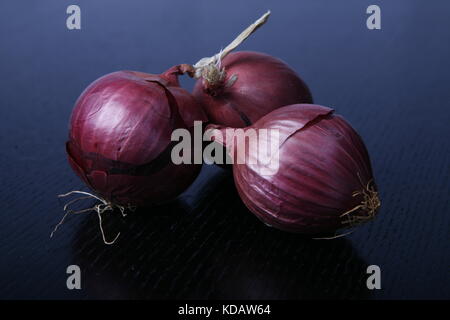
[391,84]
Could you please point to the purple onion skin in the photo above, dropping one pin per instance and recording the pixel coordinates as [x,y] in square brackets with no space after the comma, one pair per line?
[263,84]
[189,108]
[324,172]
[119,138]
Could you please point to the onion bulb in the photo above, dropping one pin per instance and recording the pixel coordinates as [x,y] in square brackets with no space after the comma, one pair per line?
[120,137]
[322,180]
[247,86]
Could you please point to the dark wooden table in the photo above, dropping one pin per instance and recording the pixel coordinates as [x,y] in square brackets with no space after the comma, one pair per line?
[392,84]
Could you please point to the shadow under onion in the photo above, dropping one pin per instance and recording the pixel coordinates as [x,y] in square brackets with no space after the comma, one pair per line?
[208,245]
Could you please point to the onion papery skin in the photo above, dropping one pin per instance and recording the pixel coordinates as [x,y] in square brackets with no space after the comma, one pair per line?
[263,84]
[324,172]
[119,139]
[189,108]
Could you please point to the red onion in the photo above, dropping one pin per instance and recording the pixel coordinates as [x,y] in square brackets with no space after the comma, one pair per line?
[323,181]
[120,137]
[251,85]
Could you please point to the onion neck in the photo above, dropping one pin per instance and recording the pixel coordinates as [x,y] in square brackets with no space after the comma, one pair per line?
[210,69]
[171,75]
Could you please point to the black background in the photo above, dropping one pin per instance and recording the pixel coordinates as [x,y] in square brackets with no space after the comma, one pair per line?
[391,84]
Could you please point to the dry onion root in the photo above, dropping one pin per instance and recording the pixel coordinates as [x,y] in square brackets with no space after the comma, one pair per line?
[99,208]
[361,213]
[368,206]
